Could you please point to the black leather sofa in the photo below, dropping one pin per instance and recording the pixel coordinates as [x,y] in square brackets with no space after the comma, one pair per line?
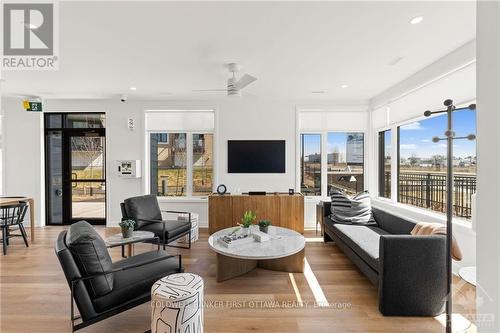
[409,271]
[102,288]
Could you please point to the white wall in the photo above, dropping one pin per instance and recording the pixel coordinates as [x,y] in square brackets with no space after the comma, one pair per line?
[488,160]
[235,119]
[22,153]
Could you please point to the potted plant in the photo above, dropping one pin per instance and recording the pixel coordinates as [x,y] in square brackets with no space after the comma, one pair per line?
[264,225]
[247,220]
[127,227]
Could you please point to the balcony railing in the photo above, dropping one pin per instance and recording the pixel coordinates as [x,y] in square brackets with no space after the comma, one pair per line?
[428,190]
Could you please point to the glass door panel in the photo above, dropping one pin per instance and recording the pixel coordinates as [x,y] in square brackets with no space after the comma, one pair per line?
[88,179]
[54,174]
[88,200]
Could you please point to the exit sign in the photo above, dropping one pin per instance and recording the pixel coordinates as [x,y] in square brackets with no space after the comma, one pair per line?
[32,106]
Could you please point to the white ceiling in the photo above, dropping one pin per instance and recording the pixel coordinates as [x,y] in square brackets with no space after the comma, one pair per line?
[167,49]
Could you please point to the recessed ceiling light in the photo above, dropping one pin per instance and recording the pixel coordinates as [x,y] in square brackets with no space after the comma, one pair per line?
[344,86]
[416,20]
[318,92]
[133,88]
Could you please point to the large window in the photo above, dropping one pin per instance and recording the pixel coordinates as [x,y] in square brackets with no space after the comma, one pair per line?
[345,162]
[384,169]
[310,164]
[171,175]
[344,156]
[422,163]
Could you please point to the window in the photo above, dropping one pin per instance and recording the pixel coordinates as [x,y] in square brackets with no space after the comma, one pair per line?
[169,164]
[310,164]
[345,162]
[168,153]
[384,144]
[202,164]
[422,163]
[181,157]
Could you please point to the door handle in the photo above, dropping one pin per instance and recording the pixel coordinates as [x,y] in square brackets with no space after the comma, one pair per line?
[59,192]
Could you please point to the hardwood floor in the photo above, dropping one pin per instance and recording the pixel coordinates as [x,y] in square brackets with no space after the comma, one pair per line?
[35,296]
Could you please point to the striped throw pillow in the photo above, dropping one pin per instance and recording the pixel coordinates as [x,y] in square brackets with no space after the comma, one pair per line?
[356,210]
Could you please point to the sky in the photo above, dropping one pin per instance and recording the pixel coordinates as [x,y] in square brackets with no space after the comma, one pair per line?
[416,138]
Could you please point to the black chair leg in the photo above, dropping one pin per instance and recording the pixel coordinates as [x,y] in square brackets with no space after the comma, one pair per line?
[7,233]
[23,233]
[4,240]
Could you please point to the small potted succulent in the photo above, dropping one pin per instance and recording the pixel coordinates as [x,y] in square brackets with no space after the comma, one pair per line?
[127,227]
[264,225]
[246,221]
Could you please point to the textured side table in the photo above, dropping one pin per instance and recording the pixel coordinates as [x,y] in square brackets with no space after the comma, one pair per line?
[195,217]
[177,304]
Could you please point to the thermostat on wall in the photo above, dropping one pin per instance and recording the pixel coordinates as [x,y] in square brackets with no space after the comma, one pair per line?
[129,168]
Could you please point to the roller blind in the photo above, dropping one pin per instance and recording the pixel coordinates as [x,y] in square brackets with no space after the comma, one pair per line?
[183,120]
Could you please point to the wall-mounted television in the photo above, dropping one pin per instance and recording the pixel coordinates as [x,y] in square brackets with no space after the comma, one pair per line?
[256,156]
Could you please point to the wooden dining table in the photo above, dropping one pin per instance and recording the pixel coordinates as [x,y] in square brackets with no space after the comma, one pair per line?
[11,200]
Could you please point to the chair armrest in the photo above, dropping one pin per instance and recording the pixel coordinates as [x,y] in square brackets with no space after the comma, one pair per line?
[175,211]
[124,268]
[412,275]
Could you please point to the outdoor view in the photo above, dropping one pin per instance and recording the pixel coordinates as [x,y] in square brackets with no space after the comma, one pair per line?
[385,138]
[310,164]
[422,164]
[87,174]
[345,160]
[169,164]
[202,164]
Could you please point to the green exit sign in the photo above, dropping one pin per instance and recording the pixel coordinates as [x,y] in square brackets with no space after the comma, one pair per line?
[33,106]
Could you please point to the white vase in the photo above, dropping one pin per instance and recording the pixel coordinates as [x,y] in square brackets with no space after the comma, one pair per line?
[245,231]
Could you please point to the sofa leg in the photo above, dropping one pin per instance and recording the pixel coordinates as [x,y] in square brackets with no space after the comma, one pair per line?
[327,238]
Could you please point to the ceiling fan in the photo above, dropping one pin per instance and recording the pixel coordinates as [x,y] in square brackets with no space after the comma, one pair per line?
[234,86]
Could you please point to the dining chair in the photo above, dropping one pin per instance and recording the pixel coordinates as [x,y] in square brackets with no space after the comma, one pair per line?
[12,216]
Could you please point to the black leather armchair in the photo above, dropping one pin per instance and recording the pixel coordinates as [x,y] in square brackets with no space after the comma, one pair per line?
[101,288]
[146,213]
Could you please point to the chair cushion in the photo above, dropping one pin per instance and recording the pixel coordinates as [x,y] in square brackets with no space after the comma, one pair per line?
[363,240]
[173,228]
[91,256]
[136,282]
[144,207]
[356,210]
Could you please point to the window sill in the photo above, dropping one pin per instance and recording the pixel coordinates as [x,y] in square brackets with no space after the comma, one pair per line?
[433,216]
[201,199]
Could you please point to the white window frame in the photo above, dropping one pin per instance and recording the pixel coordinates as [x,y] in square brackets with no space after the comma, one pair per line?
[324,159]
[395,169]
[189,197]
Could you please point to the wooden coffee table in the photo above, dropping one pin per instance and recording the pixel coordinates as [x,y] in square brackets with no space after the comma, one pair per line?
[283,252]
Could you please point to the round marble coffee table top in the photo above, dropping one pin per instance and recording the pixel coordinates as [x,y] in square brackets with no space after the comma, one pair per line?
[137,236]
[283,242]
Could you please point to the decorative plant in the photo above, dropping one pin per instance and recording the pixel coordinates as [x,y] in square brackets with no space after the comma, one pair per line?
[264,225]
[127,226]
[248,219]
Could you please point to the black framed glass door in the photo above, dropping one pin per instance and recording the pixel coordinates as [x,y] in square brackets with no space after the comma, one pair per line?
[75,168]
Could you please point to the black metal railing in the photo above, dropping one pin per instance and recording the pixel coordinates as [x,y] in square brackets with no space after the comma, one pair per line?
[428,190]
